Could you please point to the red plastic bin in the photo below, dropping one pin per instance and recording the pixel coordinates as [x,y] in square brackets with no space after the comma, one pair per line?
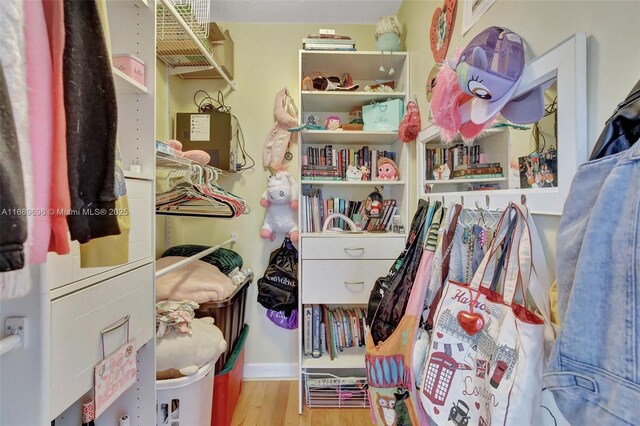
[227,384]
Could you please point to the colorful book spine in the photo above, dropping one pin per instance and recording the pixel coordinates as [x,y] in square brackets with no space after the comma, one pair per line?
[316,351]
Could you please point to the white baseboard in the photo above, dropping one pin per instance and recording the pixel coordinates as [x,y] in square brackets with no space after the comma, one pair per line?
[270,371]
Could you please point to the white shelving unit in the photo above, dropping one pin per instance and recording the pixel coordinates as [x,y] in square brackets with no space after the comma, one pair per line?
[51,374]
[494,143]
[340,268]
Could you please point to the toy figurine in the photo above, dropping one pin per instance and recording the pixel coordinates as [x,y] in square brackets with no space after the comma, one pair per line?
[353,173]
[387,169]
[442,172]
[333,122]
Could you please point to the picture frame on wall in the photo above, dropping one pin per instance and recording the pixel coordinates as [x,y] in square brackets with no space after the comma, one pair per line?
[472,10]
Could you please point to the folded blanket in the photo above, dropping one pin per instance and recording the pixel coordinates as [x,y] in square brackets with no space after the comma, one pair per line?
[197,281]
[226,260]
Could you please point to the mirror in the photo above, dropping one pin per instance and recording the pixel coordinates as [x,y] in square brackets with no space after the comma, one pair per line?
[535,162]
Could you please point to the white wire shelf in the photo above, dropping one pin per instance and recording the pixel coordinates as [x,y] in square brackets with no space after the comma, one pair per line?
[182,30]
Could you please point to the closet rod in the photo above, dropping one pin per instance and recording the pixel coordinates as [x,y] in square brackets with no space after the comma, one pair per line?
[190,259]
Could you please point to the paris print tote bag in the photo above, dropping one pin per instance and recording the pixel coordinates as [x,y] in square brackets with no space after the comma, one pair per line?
[485,358]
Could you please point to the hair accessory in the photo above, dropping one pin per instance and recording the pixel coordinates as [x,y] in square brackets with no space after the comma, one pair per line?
[490,69]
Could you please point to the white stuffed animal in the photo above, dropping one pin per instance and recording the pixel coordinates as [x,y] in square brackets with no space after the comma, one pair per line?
[281,201]
[187,353]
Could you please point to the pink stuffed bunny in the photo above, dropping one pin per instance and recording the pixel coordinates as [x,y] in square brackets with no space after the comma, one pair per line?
[277,141]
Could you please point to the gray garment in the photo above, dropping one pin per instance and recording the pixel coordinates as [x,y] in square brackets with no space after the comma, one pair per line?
[594,369]
[13,225]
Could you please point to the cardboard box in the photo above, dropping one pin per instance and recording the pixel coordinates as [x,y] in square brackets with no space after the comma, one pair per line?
[209,132]
[222,51]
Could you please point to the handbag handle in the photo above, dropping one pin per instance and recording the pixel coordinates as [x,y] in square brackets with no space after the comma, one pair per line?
[518,254]
[329,219]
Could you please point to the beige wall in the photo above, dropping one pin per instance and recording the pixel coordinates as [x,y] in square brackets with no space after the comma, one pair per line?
[612,47]
[266,59]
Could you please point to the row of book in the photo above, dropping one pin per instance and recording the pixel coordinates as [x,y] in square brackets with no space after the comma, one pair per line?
[471,171]
[457,155]
[316,209]
[328,163]
[332,330]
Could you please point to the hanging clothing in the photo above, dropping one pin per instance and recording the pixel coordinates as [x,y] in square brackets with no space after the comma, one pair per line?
[13,226]
[593,370]
[113,249]
[622,129]
[39,80]
[17,282]
[392,392]
[91,116]
[60,201]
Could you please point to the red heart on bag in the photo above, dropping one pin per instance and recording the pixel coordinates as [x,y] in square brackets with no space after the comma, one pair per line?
[435,410]
[471,322]
[440,32]
[477,405]
[440,335]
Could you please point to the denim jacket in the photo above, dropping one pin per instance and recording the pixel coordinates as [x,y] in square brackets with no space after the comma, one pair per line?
[594,369]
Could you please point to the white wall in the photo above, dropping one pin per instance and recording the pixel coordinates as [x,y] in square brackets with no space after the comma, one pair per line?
[613,61]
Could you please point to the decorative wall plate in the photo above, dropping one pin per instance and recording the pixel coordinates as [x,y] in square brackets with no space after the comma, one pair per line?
[441,25]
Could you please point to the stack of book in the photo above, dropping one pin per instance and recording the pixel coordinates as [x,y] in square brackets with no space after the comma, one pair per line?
[477,171]
[327,163]
[331,331]
[316,209]
[328,42]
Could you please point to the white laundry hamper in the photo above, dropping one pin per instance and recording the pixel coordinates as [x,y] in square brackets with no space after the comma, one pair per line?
[186,401]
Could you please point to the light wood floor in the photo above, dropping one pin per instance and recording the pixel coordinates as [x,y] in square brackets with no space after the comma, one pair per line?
[276,404]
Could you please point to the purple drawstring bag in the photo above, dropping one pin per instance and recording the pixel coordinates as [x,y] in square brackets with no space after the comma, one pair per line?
[280,319]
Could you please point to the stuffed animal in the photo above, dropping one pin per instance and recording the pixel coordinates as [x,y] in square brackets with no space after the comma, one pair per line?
[387,169]
[353,173]
[281,201]
[183,354]
[333,122]
[278,139]
[410,124]
[442,172]
[196,155]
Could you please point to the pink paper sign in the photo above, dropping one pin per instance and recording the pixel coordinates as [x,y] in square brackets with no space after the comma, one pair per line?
[114,375]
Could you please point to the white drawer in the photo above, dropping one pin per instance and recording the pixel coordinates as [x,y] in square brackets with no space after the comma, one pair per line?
[340,281]
[352,248]
[76,324]
[61,270]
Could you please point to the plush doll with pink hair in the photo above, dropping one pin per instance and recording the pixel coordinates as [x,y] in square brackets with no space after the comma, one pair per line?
[281,201]
[277,141]
[410,124]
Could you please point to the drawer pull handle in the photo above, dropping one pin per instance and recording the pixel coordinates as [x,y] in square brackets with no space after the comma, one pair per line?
[354,282]
[116,325]
[347,249]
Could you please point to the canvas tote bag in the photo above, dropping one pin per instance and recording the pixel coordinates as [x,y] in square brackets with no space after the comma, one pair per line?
[485,360]
[392,392]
